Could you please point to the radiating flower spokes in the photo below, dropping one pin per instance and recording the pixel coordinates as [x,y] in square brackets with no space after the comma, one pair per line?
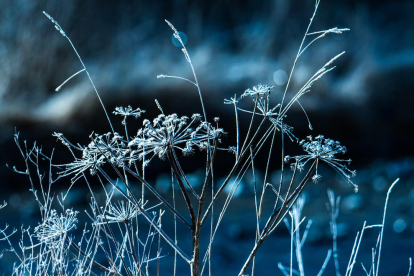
[56,226]
[121,212]
[128,111]
[261,97]
[259,90]
[167,132]
[103,148]
[321,149]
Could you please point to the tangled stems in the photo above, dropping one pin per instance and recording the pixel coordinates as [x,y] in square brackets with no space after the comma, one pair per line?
[95,263]
[233,171]
[148,218]
[163,138]
[277,216]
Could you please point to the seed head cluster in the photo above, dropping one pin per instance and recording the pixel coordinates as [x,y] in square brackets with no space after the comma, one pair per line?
[168,132]
[56,226]
[321,149]
[156,138]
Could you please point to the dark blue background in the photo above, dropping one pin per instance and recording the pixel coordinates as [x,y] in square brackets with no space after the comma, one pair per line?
[366,102]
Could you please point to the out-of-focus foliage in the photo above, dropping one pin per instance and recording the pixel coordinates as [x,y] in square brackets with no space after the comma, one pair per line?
[235,43]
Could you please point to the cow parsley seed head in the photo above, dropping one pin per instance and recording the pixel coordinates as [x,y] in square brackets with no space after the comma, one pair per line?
[128,111]
[259,90]
[54,227]
[169,132]
[321,149]
[119,212]
[196,117]
[102,149]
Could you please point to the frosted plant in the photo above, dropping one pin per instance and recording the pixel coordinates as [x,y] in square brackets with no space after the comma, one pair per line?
[321,149]
[260,96]
[128,111]
[297,241]
[121,212]
[262,91]
[117,232]
[333,208]
[102,149]
[169,132]
[55,227]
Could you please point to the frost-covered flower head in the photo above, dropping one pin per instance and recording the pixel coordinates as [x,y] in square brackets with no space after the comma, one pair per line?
[155,139]
[56,226]
[321,149]
[103,148]
[119,212]
[170,131]
[128,111]
[260,95]
[110,146]
[259,90]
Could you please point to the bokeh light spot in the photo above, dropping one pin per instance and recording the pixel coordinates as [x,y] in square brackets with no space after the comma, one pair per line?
[235,73]
[399,225]
[379,184]
[15,200]
[280,77]
[176,42]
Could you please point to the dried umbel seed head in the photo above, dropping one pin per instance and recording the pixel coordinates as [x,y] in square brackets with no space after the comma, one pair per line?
[258,91]
[173,132]
[128,111]
[119,212]
[321,149]
[56,226]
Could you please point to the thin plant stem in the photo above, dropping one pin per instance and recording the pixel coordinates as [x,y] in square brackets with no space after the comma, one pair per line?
[298,54]
[383,223]
[83,65]
[101,267]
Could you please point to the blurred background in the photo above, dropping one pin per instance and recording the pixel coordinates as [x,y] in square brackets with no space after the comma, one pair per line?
[366,102]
